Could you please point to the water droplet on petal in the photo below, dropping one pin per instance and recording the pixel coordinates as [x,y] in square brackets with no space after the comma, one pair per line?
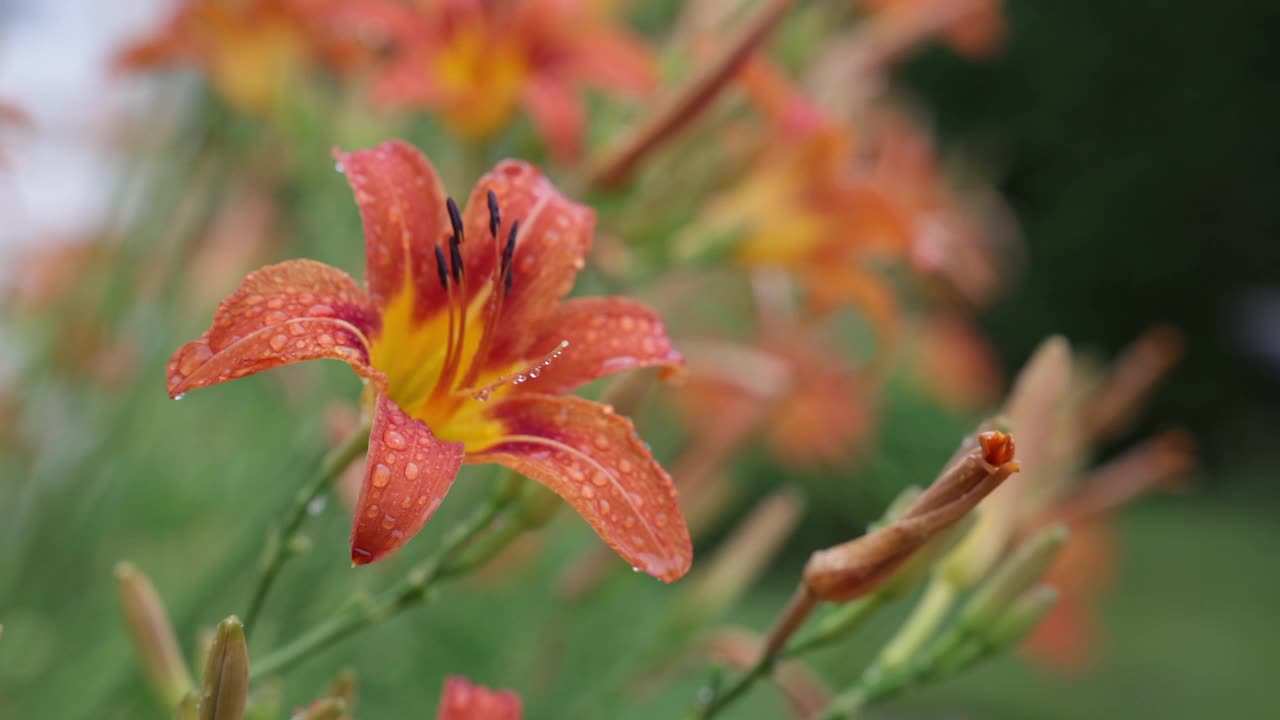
[483,394]
[535,371]
[394,440]
[601,441]
[635,568]
[381,475]
[277,342]
[179,396]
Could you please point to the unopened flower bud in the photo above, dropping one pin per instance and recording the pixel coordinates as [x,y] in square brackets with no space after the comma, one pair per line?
[225,691]
[1024,568]
[189,707]
[152,635]
[538,506]
[1033,411]
[326,709]
[861,566]
[1023,615]
[343,687]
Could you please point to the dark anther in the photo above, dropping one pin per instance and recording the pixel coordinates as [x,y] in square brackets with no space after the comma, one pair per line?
[456,256]
[508,253]
[455,219]
[442,273]
[495,219]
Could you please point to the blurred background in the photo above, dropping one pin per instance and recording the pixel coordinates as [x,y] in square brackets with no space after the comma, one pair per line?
[1134,143]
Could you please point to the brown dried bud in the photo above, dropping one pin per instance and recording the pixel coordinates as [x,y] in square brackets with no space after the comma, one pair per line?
[861,566]
[152,634]
[225,692]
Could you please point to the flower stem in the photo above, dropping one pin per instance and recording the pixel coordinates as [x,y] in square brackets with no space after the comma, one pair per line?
[410,591]
[789,620]
[621,160]
[282,538]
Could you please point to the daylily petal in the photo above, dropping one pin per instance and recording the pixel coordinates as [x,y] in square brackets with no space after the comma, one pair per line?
[408,472]
[281,314]
[403,83]
[560,115]
[593,459]
[554,237]
[618,61]
[606,336]
[402,206]
[463,700]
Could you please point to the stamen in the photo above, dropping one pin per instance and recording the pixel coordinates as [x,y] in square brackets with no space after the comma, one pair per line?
[455,219]
[502,279]
[442,271]
[495,218]
[507,254]
[529,372]
[455,254]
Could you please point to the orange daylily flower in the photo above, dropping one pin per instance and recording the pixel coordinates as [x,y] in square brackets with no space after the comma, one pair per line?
[974,28]
[476,63]
[467,348]
[955,363]
[812,408]
[253,50]
[806,207]
[463,700]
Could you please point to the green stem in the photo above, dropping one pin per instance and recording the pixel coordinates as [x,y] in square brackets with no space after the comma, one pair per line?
[410,591]
[775,647]
[939,596]
[281,540]
[834,626]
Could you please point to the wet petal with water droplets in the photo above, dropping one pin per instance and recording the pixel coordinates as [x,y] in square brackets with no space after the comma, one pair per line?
[402,206]
[606,335]
[285,313]
[463,700]
[592,458]
[554,237]
[407,474]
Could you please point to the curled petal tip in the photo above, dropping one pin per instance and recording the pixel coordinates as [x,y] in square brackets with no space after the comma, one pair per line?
[997,447]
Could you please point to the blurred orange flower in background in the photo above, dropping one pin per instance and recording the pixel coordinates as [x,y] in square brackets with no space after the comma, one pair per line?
[810,406]
[468,349]
[974,28]
[464,700]
[254,51]
[476,63]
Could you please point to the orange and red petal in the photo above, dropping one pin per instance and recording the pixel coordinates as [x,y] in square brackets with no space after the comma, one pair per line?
[403,83]
[402,206]
[605,336]
[615,61]
[559,114]
[281,314]
[551,245]
[463,700]
[408,472]
[592,458]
